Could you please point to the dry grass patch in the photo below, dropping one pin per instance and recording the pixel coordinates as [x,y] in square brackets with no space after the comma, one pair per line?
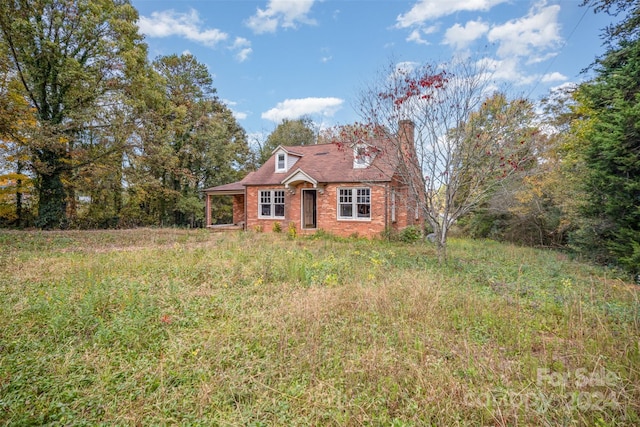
[187,327]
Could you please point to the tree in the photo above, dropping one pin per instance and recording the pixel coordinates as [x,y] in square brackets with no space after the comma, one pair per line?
[15,118]
[610,106]
[466,141]
[288,133]
[68,56]
[188,140]
[612,159]
[627,29]
[538,205]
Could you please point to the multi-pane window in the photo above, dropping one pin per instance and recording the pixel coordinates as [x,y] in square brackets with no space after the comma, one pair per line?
[361,156]
[281,162]
[271,204]
[354,203]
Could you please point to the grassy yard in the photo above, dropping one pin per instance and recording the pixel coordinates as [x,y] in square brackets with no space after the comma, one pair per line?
[176,327]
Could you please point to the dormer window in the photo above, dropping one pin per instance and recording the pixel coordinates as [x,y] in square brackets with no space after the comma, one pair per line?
[281,162]
[361,156]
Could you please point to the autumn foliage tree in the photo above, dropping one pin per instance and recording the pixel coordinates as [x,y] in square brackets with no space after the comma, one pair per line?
[15,118]
[187,140]
[68,57]
[467,138]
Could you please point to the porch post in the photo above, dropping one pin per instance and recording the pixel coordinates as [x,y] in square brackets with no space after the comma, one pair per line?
[207,213]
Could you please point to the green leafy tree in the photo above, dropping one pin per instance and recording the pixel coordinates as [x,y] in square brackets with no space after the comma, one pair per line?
[15,119]
[612,158]
[610,104]
[538,205]
[69,56]
[188,140]
[289,133]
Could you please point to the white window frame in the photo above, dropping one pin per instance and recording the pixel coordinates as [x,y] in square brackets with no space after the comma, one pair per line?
[359,199]
[361,156]
[271,199]
[284,162]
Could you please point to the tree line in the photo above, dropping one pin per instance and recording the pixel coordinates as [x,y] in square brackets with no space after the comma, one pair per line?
[93,134]
[583,191]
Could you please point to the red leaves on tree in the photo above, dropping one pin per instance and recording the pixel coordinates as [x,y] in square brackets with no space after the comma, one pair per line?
[423,87]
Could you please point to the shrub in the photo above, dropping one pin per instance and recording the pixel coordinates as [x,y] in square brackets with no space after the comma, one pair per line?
[410,234]
[292,232]
[277,228]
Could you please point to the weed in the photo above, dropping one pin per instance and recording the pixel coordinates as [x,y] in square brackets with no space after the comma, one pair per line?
[157,327]
[291,231]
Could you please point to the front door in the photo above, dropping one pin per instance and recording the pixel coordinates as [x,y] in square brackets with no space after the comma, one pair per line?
[309,216]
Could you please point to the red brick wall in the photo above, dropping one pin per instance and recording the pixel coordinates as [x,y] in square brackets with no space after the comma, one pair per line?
[405,209]
[327,216]
[238,208]
[327,204]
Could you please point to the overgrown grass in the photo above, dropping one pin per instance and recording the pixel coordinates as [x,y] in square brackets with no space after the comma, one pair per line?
[163,327]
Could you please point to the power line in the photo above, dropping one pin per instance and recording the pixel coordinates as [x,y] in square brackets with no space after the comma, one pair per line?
[586,9]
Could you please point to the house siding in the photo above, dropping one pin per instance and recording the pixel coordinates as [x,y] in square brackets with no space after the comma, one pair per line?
[326,208]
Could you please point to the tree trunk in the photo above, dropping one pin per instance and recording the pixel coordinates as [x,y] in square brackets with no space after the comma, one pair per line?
[19,220]
[52,204]
[441,245]
[19,203]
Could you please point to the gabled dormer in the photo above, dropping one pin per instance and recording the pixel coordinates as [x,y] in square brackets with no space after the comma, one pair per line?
[284,159]
[363,155]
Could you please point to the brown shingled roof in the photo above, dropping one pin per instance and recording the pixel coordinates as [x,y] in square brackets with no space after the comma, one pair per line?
[326,163]
[234,187]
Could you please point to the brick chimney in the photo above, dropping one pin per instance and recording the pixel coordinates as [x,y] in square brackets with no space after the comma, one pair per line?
[406,135]
[406,132]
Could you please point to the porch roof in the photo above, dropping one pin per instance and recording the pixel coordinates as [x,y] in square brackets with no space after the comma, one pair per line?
[226,189]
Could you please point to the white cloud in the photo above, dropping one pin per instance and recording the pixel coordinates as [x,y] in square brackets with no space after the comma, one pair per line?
[508,70]
[407,66]
[296,108]
[460,37]
[239,115]
[243,54]
[553,77]
[529,35]
[416,35]
[427,10]
[326,55]
[564,87]
[284,13]
[505,70]
[242,47]
[188,25]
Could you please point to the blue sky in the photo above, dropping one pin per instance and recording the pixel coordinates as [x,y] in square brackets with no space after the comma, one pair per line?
[278,59]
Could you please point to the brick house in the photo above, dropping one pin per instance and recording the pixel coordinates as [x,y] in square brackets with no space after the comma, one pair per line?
[341,189]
